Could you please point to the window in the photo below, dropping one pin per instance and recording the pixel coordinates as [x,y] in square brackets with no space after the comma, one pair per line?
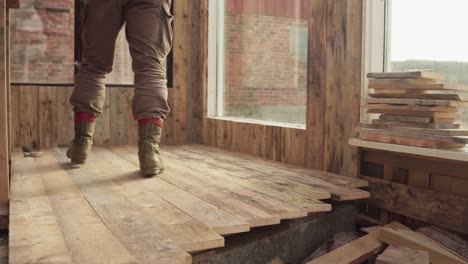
[429,38]
[258,60]
[417,35]
[42,42]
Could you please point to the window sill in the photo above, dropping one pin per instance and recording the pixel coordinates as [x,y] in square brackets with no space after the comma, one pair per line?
[259,122]
[455,154]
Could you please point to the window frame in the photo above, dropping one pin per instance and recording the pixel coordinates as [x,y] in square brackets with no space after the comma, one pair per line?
[77,49]
[215,80]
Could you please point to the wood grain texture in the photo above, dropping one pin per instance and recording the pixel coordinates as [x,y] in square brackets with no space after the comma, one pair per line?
[436,208]
[415,134]
[181,51]
[406,75]
[408,141]
[118,113]
[48,123]
[317,84]
[413,240]
[423,102]
[344,33]
[4,145]
[29,117]
[43,117]
[428,95]
[102,134]
[64,116]
[352,253]
[397,255]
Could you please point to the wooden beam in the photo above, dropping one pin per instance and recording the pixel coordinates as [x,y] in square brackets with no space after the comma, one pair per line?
[397,255]
[411,239]
[181,51]
[316,84]
[352,253]
[436,208]
[4,149]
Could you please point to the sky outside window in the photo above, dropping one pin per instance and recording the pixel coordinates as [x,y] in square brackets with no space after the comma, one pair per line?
[429,30]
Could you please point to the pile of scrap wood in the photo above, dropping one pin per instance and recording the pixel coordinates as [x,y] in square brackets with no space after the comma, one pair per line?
[398,244]
[415,109]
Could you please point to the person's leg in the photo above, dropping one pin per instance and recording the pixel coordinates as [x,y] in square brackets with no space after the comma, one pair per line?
[102,21]
[149,34]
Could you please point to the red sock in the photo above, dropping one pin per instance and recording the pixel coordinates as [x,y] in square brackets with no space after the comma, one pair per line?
[157,121]
[81,116]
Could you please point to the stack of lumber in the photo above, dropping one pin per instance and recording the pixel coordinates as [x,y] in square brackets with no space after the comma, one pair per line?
[415,109]
[394,244]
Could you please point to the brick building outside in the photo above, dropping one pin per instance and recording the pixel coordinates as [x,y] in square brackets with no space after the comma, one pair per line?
[265,54]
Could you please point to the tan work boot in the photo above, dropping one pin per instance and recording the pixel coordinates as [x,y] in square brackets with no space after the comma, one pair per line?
[149,136]
[81,145]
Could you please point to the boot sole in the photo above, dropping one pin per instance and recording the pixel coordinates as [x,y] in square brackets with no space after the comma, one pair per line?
[151,172]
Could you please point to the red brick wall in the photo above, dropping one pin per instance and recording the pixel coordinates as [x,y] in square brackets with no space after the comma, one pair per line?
[42,44]
[259,66]
[42,41]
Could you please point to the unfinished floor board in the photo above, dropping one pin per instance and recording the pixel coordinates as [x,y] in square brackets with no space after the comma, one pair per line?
[227,201]
[262,164]
[295,181]
[211,216]
[257,185]
[237,192]
[106,212]
[34,230]
[100,182]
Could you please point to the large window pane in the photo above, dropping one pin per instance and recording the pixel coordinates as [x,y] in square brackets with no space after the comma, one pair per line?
[427,34]
[42,41]
[265,59]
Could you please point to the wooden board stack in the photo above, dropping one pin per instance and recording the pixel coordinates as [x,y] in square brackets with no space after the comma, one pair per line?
[415,109]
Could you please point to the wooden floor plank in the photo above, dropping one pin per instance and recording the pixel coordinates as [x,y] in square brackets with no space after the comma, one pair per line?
[34,231]
[93,244]
[206,178]
[216,219]
[156,216]
[264,187]
[136,231]
[223,199]
[234,162]
[262,164]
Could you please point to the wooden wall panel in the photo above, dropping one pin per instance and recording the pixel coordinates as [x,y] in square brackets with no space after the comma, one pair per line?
[181,50]
[47,119]
[102,135]
[333,98]
[43,118]
[343,88]
[118,116]
[29,117]
[417,190]
[317,84]
[64,116]
[4,145]
[270,142]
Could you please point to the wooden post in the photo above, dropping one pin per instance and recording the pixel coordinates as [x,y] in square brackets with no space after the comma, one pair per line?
[4,149]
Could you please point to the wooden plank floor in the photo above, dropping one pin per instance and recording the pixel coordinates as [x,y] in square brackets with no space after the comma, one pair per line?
[105,212]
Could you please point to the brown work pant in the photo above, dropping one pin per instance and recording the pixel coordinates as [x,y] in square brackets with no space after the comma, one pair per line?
[149,35]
